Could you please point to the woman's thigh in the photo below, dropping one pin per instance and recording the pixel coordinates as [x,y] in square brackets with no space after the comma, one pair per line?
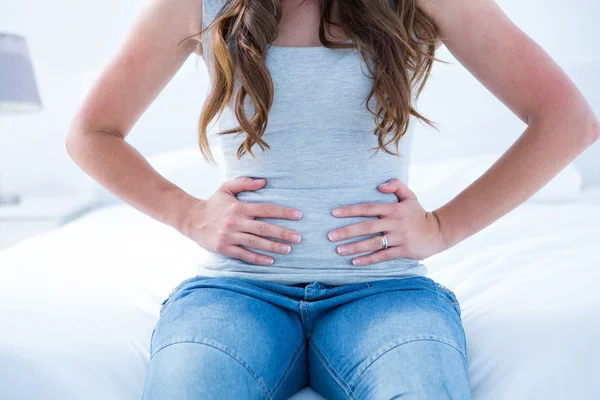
[219,342]
[402,338]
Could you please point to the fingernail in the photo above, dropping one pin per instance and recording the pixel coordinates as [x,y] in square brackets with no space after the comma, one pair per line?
[333,235]
[342,249]
[337,211]
[385,184]
[356,261]
[269,262]
[286,248]
[295,238]
[297,214]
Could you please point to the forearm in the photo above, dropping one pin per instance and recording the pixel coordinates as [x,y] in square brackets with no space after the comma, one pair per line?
[541,152]
[122,170]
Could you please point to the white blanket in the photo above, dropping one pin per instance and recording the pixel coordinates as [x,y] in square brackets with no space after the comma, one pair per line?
[78,305]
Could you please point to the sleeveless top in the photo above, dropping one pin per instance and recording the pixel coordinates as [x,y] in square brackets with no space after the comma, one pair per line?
[320,157]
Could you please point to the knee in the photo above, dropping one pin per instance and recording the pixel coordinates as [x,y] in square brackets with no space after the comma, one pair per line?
[191,370]
[419,369]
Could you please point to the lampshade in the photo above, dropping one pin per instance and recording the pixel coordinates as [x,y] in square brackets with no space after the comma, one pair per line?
[18,89]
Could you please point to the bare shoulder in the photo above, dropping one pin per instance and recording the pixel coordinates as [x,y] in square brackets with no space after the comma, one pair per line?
[181,18]
[163,35]
[509,63]
[448,14]
[435,10]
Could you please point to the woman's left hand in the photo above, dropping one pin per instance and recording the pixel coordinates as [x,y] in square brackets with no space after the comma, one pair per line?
[411,231]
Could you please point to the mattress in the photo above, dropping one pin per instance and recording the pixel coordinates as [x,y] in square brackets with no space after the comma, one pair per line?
[78,305]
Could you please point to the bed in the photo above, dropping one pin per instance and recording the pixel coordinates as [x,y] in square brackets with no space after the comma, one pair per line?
[78,305]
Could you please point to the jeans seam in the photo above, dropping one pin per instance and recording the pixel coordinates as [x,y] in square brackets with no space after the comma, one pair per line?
[176,289]
[455,306]
[222,348]
[152,337]
[308,322]
[336,377]
[443,292]
[291,364]
[355,380]
[184,282]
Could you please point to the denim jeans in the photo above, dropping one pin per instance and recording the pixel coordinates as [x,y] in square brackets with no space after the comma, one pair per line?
[238,338]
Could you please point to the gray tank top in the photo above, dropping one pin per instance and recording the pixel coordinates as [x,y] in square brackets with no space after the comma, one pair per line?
[320,135]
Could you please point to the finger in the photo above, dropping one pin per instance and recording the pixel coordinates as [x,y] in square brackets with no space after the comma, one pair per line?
[363,246]
[360,229]
[268,210]
[266,229]
[247,255]
[257,242]
[241,184]
[397,187]
[363,209]
[379,256]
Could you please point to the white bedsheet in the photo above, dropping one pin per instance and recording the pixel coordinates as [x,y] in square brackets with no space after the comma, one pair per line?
[78,305]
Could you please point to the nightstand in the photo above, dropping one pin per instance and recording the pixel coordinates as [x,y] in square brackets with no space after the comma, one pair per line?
[36,215]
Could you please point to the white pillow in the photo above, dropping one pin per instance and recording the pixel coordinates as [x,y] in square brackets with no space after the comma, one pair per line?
[435,183]
[184,167]
[438,182]
[187,169]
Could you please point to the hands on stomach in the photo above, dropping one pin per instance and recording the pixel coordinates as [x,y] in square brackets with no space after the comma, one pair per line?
[222,223]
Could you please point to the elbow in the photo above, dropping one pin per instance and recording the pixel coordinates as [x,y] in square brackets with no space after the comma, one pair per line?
[75,141]
[81,135]
[569,113]
[590,129]
[594,130]
[71,140]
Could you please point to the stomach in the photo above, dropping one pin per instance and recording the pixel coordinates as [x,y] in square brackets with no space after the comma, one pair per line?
[315,257]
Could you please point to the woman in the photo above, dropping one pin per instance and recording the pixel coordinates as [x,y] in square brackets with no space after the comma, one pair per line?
[326,89]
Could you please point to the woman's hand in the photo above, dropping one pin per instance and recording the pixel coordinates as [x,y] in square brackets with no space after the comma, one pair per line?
[411,231]
[222,223]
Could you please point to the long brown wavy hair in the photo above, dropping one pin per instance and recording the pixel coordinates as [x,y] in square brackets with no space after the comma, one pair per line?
[396,34]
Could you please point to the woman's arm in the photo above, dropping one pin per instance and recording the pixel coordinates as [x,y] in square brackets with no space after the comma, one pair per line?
[147,60]
[522,75]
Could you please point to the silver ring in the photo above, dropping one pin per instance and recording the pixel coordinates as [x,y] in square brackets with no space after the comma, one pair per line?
[385,241]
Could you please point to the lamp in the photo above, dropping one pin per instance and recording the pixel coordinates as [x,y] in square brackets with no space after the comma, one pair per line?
[18,88]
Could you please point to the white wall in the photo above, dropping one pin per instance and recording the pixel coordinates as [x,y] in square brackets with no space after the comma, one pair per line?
[69,37]
[471,119]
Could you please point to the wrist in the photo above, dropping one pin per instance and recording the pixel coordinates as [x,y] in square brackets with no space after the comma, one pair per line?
[450,231]
[439,230]
[177,214]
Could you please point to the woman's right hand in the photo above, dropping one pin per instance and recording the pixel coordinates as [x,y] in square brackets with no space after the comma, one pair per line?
[222,223]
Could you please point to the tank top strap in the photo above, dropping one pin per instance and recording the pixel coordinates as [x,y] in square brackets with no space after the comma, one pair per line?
[210,9]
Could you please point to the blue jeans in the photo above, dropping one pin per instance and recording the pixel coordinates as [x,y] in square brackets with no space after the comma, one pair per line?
[237,338]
